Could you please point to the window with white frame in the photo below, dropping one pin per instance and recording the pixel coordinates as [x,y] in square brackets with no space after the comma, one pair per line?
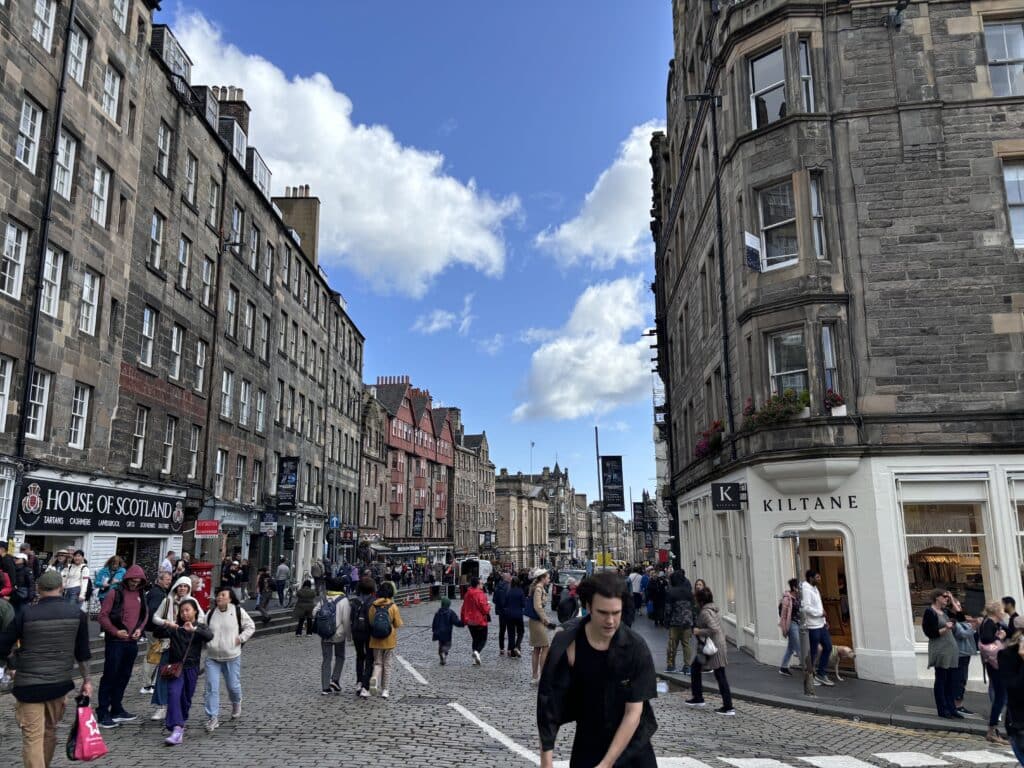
[90,302]
[139,437]
[78,54]
[806,79]
[26,151]
[119,12]
[164,137]
[280,401]
[231,316]
[53,268]
[227,393]
[64,173]
[787,361]
[1004,42]
[237,224]
[239,477]
[220,467]
[156,240]
[191,177]
[184,262]
[207,297]
[111,97]
[170,432]
[244,403]
[38,400]
[257,475]
[282,339]
[6,376]
[818,217]
[1013,178]
[148,336]
[177,342]
[249,325]
[254,249]
[268,264]
[829,359]
[43,13]
[261,410]
[265,338]
[778,226]
[193,451]
[99,208]
[199,375]
[13,264]
[767,88]
[289,415]
[213,203]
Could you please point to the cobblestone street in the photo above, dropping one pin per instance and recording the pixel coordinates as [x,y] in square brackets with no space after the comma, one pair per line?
[287,721]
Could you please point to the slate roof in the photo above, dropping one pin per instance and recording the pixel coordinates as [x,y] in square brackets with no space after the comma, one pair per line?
[390,396]
[438,415]
[473,441]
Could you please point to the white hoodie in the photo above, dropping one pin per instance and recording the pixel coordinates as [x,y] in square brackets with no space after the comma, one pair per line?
[168,610]
[224,624]
[811,607]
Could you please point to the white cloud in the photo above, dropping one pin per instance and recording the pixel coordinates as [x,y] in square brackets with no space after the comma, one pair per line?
[613,223]
[536,335]
[390,212]
[466,318]
[594,364]
[493,345]
[433,322]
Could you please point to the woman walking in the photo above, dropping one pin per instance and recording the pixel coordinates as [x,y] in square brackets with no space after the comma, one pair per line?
[384,645]
[513,610]
[709,628]
[789,624]
[305,599]
[186,649]
[109,576]
[991,640]
[164,621]
[540,623]
[476,615]
[332,648]
[1011,670]
[359,621]
[76,579]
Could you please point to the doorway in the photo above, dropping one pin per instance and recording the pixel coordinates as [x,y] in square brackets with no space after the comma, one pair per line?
[825,554]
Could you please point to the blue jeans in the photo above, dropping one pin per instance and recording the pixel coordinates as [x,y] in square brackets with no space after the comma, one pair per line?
[1017,743]
[118,660]
[793,645]
[232,670]
[820,637]
[961,678]
[944,688]
[996,694]
[159,698]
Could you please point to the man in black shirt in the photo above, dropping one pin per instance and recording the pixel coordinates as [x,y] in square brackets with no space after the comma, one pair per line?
[54,634]
[600,675]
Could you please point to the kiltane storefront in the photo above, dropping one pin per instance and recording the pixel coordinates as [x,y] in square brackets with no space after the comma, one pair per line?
[101,516]
[882,531]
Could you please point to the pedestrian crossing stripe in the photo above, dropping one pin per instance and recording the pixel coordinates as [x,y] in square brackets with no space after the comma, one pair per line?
[910,759]
[981,757]
[836,761]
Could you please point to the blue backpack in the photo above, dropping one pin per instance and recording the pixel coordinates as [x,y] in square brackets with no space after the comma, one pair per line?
[380,628]
[326,619]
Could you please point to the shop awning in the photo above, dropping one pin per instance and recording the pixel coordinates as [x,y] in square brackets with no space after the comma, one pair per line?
[379,547]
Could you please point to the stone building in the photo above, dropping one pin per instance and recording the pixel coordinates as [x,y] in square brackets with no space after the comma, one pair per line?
[152,384]
[522,509]
[472,492]
[375,478]
[485,521]
[582,549]
[559,493]
[852,317]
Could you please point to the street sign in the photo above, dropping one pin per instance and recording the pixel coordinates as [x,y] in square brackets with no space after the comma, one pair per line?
[726,497]
[335,522]
[207,529]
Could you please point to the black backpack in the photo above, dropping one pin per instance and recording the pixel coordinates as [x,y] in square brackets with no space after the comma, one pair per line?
[360,618]
[381,626]
[326,619]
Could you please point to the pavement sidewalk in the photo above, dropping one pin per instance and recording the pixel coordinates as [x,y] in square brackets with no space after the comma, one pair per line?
[907,706]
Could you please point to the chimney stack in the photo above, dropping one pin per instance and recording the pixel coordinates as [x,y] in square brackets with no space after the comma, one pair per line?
[232,104]
[301,212]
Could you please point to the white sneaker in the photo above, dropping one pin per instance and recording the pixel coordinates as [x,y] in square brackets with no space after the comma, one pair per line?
[363,693]
[476,658]
[146,690]
[384,693]
[212,725]
[236,710]
[359,689]
[159,714]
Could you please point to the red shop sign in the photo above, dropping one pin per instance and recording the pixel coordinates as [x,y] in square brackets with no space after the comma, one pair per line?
[207,529]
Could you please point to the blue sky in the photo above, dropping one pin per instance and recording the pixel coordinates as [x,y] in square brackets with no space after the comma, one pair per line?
[485,188]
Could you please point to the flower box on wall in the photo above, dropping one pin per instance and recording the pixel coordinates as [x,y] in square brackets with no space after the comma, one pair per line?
[839,410]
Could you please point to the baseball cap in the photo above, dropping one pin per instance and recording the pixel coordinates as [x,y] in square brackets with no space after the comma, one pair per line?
[21,556]
[50,580]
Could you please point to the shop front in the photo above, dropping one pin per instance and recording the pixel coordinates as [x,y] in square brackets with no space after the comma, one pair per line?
[883,532]
[138,521]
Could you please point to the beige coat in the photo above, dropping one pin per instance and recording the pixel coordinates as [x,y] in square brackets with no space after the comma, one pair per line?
[709,624]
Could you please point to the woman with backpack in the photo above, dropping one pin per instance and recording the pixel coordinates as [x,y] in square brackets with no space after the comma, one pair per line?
[359,620]
[305,599]
[991,640]
[332,622]
[77,580]
[384,623]
[789,624]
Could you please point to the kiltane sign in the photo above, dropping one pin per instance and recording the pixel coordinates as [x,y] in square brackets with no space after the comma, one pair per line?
[726,496]
[809,503]
[48,505]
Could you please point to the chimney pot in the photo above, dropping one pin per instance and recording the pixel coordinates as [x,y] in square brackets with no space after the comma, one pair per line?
[241,95]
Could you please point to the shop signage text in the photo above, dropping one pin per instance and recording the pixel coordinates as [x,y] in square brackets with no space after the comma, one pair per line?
[809,503]
[207,529]
[726,496]
[48,505]
[287,482]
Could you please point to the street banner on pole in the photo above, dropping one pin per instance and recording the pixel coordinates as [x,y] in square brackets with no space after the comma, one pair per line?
[287,482]
[638,517]
[611,484]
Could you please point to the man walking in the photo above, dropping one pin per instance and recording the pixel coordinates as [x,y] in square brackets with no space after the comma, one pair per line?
[679,618]
[599,660]
[231,627]
[281,579]
[265,591]
[636,579]
[943,653]
[499,597]
[476,615]
[318,572]
[122,617]
[817,627]
[53,635]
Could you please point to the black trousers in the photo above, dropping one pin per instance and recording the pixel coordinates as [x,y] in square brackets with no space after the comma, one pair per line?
[515,633]
[503,627]
[364,662]
[479,635]
[697,685]
[308,621]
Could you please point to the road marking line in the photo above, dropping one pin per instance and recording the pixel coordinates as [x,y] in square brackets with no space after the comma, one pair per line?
[981,757]
[412,670]
[497,735]
[835,761]
[753,762]
[910,759]
[680,762]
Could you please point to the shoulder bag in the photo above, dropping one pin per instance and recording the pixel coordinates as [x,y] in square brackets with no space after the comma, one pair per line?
[173,670]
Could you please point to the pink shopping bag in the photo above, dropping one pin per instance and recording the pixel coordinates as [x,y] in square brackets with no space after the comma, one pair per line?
[85,733]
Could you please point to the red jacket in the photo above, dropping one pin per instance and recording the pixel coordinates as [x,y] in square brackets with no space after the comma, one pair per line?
[476,611]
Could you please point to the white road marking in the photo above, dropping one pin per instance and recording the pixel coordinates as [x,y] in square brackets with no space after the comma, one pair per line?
[497,735]
[910,759]
[835,761]
[412,670]
[753,762]
[981,757]
[680,762]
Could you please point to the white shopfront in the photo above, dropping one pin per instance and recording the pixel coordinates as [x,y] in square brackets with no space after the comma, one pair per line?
[882,531]
[101,516]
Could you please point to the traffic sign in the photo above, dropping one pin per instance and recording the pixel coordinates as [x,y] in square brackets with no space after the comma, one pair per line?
[335,522]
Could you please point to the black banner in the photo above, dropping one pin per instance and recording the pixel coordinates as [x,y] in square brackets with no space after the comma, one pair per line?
[417,523]
[611,484]
[638,517]
[49,505]
[726,497]
[287,482]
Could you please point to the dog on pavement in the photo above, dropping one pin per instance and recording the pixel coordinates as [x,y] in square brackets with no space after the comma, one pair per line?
[840,653]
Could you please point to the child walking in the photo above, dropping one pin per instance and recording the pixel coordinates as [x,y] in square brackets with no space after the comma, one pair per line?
[444,620]
[382,641]
[187,640]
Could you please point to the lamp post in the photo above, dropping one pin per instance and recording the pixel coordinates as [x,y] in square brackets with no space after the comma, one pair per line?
[805,644]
